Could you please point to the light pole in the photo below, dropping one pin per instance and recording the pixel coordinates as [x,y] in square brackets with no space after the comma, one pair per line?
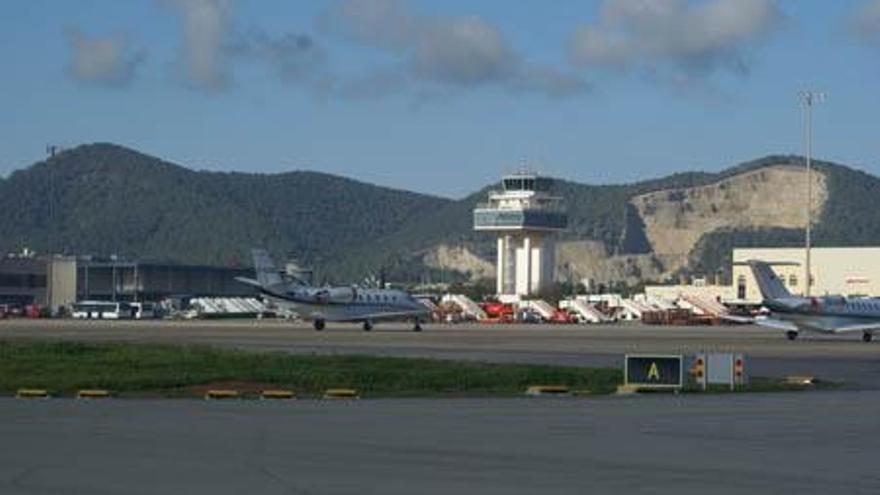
[808,99]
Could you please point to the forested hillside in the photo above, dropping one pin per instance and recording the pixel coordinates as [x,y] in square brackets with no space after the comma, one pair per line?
[105,199]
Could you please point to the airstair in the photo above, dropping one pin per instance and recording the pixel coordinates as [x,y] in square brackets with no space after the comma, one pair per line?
[705,306]
[468,307]
[660,303]
[634,309]
[585,310]
[543,308]
[208,307]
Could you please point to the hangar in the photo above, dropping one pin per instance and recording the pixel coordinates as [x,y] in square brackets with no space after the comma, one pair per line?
[58,281]
[848,271]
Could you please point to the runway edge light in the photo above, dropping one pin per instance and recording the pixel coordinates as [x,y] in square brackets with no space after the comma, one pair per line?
[740,373]
[698,370]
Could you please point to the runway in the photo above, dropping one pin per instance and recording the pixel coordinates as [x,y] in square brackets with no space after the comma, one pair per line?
[803,443]
[812,442]
[842,358]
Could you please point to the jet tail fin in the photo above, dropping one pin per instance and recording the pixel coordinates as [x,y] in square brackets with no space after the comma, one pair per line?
[769,284]
[267,273]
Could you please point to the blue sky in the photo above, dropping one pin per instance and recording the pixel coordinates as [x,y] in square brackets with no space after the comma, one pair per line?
[441,97]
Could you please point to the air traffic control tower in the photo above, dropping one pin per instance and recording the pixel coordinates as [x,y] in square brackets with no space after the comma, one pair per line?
[524,215]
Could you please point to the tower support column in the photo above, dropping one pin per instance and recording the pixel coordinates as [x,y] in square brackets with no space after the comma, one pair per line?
[499,266]
[527,269]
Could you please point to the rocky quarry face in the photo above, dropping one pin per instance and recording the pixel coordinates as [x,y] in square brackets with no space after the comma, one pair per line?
[674,220]
[666,225]
[459,258]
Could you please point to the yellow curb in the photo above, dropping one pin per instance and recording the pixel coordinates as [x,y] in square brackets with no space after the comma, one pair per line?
[277,394]
[800,380]
[93,394]
[221,394]
[547,390]
[341,393]
[32,393]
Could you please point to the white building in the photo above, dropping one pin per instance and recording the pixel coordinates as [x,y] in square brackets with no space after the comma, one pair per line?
[848,271]
[523,215]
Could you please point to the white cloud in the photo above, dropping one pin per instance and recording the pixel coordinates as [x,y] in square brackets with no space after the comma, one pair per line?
[102,60]
[202,61]
[461,51]
[865,22]
[686,38]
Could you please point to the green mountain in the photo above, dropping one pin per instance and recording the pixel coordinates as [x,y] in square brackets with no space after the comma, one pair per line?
[607,215]
[104,199]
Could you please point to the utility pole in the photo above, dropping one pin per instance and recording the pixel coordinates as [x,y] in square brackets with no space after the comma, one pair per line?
[808,99]
[51,149]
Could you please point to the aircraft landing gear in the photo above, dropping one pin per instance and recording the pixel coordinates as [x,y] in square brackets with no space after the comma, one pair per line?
[867,336]
[791,334]
[368,325]
[319,325]
[417,326]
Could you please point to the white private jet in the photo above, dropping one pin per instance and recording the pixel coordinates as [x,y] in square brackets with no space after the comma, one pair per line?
[827,314]
[322,304]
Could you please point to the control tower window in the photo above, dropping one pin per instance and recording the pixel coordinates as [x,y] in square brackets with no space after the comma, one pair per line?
[523,184]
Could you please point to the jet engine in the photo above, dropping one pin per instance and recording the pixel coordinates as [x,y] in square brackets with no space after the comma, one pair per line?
[334,295]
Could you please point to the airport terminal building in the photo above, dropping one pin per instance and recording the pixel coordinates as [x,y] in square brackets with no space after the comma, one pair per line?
[59,281]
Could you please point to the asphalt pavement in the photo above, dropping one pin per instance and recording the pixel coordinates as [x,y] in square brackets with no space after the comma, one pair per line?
[810,442]
[800,443]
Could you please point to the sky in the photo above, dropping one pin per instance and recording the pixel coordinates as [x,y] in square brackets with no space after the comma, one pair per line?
[442,97]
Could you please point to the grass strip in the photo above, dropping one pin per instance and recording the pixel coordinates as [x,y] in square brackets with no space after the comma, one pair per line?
[171,370]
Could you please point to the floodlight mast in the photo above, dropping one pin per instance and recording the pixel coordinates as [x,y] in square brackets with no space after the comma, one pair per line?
[808,99]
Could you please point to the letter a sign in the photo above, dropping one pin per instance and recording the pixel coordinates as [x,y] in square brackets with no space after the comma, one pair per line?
[653,371]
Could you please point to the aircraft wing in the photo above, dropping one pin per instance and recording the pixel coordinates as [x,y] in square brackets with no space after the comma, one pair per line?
[774,323]
[865,327]
[248,281]
[377,316]
[738,319]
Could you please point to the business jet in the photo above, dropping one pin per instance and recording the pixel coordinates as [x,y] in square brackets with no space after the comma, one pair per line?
[323,304]
[826,314]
